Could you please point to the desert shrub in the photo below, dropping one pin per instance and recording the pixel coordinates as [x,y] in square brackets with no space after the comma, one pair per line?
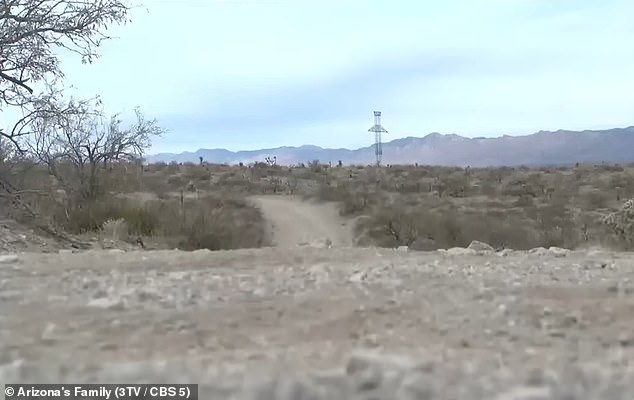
[621,224]
[176,181]
[221,223]
[487,188]
[210,222]
[394,227]
[233,181]
[554,224]
[354,203]
[90,216]
[156,183]
[499,230]
[196,173]
[326,192]
[624,181]
[443,226]
[524,201]
[115,229]
[172,168]
[595,200]
[157,166]
[610,168]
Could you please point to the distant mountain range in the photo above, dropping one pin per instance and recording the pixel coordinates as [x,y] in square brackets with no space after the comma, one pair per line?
[541,148]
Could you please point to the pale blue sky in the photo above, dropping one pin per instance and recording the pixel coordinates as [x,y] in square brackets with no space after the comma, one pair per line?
[247,74]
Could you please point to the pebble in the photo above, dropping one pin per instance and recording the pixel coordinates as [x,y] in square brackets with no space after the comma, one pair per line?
[50,334]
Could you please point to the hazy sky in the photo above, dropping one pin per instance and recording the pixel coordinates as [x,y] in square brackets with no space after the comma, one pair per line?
[247,74]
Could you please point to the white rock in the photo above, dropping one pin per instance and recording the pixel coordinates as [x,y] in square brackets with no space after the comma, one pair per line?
[107,303]
[358,277]
[50,333]
[558,251]
[8,258]
[505,252]
[539,251]
[480,246]
[201,251]
[402,248]
[459,251]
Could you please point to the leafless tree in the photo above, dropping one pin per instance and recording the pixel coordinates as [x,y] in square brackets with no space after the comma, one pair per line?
[31,34]
[76,134]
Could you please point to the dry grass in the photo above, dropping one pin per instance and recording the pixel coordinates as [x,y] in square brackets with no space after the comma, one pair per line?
[136,203]
[424,207]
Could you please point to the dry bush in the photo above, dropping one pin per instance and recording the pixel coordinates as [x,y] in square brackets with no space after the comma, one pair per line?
[220,223]
[196,173]
[176,182]
[356,203]
[596,200]
[426,229]
[621,223]
[82,217]
[115,229]
[524,200]
[208,222]
[517,208]
[159,184]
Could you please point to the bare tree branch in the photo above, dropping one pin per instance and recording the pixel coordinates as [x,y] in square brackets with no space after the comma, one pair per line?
[79,135]
[31,31]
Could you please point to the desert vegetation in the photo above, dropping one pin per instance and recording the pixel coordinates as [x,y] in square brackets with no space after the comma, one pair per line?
[71,170]
[67,167]
[426,207]
[202,205]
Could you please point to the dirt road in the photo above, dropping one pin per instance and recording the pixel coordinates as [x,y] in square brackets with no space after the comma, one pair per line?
[297,222]
[520,326]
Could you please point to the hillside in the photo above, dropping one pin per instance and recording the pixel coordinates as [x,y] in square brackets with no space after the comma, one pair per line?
[541,148]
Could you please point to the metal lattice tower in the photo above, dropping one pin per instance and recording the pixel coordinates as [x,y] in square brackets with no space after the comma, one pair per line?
[378,130]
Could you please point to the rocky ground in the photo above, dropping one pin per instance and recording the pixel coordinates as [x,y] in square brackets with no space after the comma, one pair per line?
[325,323]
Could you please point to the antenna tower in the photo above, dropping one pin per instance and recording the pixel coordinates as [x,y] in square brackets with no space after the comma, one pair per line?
[378,130]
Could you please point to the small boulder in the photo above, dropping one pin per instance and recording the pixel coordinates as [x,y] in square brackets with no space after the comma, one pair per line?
[505,252]
[538,251]
[480,246]
[358,277]
[558,251]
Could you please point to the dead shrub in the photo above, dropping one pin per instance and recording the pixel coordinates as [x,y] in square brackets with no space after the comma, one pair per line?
[220,224]
[176,181]
[354,203]
[595,200]
[82,217]
[524,201]
[115,229]
[210,222]
[197,173]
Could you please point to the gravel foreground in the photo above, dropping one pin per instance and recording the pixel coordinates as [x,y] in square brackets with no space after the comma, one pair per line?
[338,323]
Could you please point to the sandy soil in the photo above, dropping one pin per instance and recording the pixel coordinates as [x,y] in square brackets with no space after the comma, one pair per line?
[325,323]
[295,222]
[476,325]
